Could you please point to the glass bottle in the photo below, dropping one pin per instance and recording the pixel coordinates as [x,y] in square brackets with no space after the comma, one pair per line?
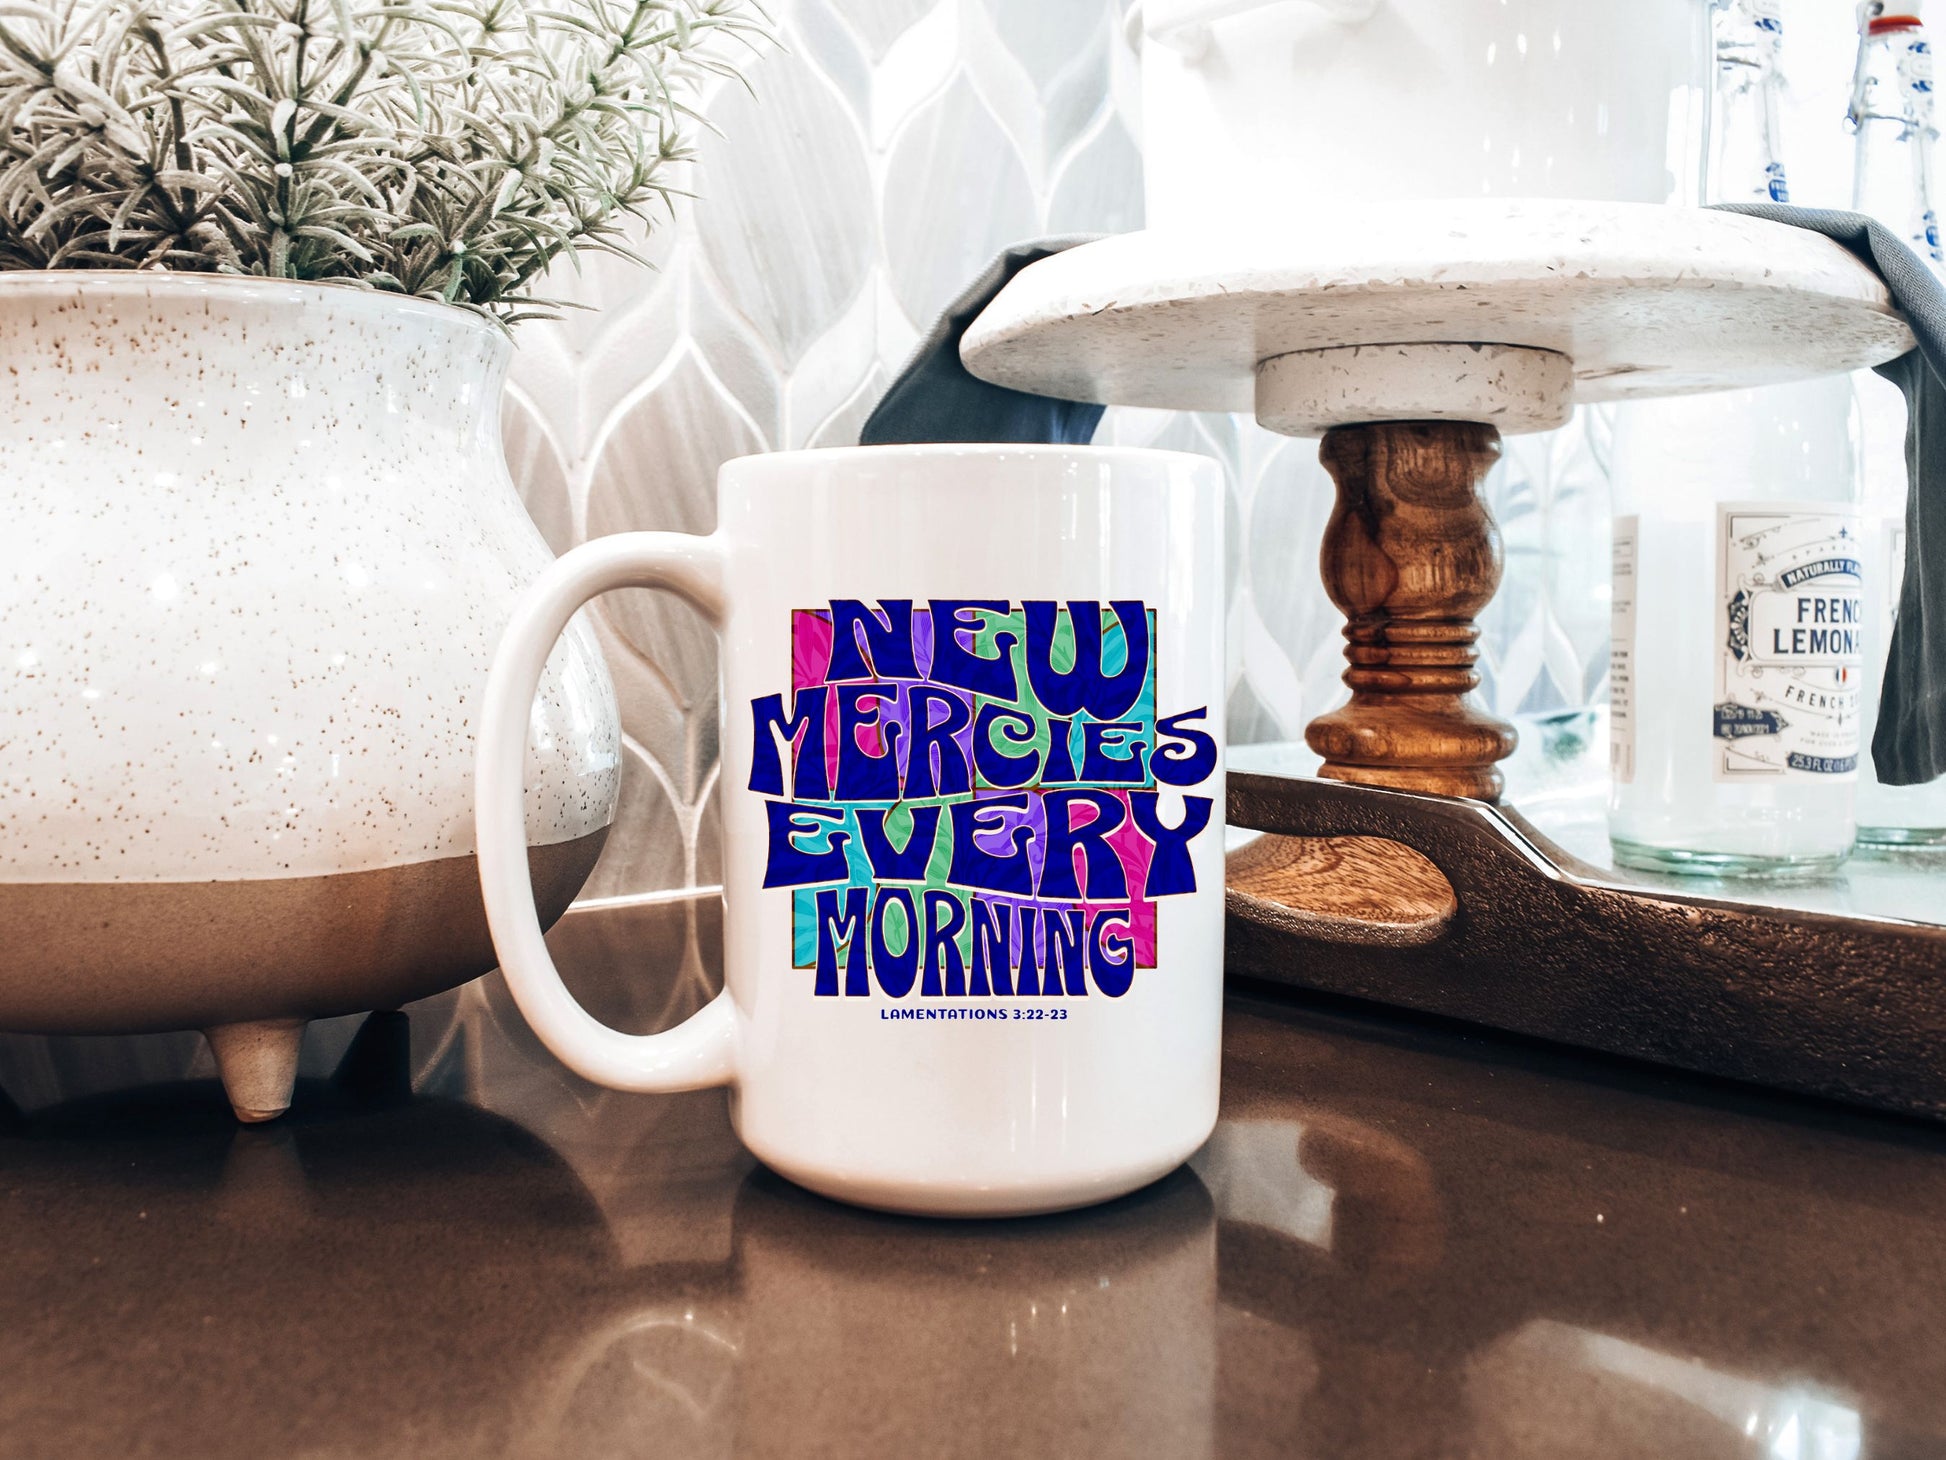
[1736,640]
[1746,164]
[1891,116]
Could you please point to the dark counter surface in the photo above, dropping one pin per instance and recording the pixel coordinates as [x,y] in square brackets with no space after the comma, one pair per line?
[1404,1241]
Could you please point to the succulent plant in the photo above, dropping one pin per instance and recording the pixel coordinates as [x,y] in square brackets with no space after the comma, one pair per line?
[449,149]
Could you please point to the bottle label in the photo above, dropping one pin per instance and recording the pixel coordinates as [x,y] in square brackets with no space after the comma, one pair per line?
[1621,652]
[1790,621]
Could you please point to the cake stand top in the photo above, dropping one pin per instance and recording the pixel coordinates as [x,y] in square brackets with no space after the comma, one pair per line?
[1642,299]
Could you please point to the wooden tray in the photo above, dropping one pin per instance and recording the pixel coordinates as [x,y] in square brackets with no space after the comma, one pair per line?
[1470,911]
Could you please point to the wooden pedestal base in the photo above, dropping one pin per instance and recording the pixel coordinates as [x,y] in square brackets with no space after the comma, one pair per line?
[1411,555]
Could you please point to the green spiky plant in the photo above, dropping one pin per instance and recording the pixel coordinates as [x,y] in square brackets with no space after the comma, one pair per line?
[448,149]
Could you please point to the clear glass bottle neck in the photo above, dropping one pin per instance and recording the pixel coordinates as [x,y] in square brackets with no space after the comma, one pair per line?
[1891,114]
[1893,80]
[1746,163]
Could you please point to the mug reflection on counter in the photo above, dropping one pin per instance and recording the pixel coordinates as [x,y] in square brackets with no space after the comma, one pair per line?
[1101,1328]
[1018,1340]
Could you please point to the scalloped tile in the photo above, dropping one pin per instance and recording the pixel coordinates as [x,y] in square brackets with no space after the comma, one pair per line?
[538,473]
[786,221]
[956,193]
[741,361]
[1065,48]
[835,49]
[646,848]
[1099,187]
[834,368]
[656,469]
[842,426]
[881,22]
[1048,37]
[1289,504]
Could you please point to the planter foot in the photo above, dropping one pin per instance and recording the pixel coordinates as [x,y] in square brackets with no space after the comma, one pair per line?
[258,1064]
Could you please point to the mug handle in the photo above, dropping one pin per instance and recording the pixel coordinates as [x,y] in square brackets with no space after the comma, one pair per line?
[699,1052]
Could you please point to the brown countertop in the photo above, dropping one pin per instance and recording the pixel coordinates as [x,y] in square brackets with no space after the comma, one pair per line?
[1404,1241]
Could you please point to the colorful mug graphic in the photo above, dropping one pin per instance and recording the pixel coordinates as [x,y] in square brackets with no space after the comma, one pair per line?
[977,798]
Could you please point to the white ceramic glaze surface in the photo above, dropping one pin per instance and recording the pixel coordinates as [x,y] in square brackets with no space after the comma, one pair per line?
[968,1100]
[1268,106]
[1509,386]
[1645,300]
[257,544]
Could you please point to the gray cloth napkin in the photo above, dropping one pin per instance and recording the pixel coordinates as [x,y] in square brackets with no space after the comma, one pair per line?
[936,398]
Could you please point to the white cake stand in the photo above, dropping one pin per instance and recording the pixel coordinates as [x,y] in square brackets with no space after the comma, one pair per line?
[1410,336]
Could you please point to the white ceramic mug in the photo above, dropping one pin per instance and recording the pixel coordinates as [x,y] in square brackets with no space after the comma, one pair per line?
[901,797]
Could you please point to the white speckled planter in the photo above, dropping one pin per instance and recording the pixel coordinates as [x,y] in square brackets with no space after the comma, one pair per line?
[257,544]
